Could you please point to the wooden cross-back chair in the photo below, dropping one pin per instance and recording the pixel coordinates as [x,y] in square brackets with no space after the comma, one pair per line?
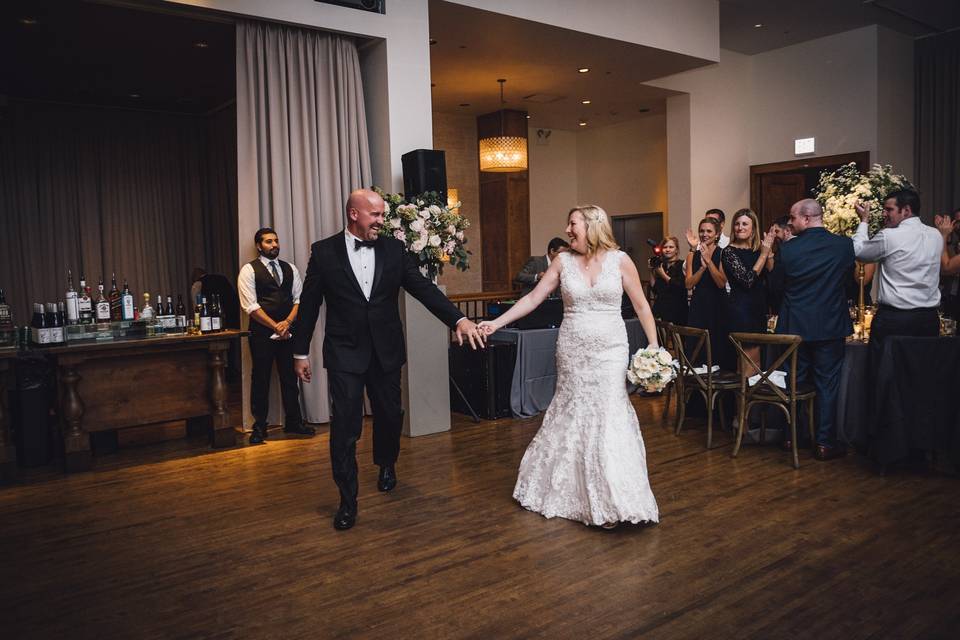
[664,337]
[690,342]
[765,391]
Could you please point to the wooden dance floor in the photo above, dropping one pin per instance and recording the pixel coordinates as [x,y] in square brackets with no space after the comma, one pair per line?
[178,541]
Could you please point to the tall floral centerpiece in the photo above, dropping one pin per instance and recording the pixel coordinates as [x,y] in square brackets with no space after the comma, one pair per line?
[432,231]
[838,193]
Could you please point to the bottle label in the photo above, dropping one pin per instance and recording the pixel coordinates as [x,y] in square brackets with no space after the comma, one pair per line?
[215,323]
[40,336]
[56,334]
[205,324]
[103,312]
[128,307]
[182,322]
[73,308]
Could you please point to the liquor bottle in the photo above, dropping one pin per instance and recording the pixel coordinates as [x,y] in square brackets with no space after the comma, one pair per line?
[73,307]
[54,324]
[216,319]
[126,302]
[6,316]
[196,313]
[181,312]
[103,305]
[169,310]
[116,307]
[84,303]
[206,325]
[38,325]
[146,313]
[59,323]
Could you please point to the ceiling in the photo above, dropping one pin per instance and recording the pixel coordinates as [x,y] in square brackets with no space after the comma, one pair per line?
[473,48]
[786,22]
[93,53]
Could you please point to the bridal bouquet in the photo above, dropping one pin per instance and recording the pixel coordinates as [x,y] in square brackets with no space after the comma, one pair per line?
[840,190]
[432,231]
[652,369]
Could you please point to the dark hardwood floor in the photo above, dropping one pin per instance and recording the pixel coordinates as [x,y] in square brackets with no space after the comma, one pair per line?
[178,541]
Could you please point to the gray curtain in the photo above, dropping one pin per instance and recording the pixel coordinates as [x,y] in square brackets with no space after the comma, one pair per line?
[937,73]
[302,144]
[145,195]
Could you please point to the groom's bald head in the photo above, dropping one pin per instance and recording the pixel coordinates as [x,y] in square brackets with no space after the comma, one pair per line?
[365,214]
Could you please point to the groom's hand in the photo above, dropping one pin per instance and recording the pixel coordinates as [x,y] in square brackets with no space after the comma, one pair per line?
[467,328]
[302,368]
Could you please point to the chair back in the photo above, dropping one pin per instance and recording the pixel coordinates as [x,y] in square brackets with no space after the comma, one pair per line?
[690,342]
[664,330]
[748,368]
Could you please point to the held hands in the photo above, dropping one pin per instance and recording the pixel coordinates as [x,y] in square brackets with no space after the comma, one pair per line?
[487,328]
[863,211]
[283,329]
[466,328]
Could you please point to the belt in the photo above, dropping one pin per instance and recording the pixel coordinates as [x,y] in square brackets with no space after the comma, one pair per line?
[887,307]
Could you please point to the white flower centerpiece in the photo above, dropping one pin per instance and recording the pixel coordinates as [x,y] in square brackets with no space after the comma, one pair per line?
[839,191]
[432,231]
[652,369]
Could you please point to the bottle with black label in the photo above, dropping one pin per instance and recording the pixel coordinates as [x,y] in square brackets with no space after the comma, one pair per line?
[126,303]
[73,305]
[103,305]
[116,306]
[206,324]
[181,312]
[6,316]
[84,303]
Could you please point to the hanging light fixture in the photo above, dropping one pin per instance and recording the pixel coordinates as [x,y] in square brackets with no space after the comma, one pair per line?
[503,153]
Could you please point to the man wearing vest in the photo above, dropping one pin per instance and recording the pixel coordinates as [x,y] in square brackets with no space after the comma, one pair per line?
[269,291]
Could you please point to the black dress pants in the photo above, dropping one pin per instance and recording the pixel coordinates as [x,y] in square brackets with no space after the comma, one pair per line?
[921,323]
[264,352]
[346,397]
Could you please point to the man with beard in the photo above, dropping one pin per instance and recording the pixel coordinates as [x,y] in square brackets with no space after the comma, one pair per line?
[269,291]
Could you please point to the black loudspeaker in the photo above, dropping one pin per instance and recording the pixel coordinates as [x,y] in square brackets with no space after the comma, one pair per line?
[424,170]
[484,376]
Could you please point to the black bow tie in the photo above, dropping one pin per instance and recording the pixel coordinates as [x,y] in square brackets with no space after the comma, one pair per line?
[363,243]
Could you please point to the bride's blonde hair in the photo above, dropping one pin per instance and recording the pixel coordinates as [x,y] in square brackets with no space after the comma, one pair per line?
[599,230]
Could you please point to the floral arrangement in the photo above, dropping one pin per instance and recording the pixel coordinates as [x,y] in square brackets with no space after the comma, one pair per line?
[432,231]
[838,193]
[652,369]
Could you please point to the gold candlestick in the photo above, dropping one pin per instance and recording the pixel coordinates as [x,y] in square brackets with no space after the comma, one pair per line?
[861,307]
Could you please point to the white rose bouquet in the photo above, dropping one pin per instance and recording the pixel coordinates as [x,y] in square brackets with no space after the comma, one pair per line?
[838,193]
[432,232]
[652,369]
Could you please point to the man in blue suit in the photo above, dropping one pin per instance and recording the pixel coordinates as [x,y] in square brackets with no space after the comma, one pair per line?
[815,267]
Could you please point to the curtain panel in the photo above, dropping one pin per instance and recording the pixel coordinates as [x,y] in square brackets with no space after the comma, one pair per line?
[937,73]
[302,144]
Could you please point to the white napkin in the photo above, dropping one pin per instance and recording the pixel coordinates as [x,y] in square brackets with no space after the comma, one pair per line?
[702,369]
[778,378]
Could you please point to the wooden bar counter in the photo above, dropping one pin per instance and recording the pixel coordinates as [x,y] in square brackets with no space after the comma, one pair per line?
[137,381]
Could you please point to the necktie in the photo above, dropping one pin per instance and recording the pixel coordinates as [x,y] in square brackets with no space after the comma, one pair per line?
[363,243]
[276,272]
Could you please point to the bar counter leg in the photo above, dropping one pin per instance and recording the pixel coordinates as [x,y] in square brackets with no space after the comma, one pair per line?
[76,442]
[221,433]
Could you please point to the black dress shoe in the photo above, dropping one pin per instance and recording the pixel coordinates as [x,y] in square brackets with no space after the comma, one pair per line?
[387,479]
[301,430]
[344,519]
[825,452]
[259,436]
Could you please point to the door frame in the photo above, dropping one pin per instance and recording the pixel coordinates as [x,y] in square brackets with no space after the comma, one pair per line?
[862,158]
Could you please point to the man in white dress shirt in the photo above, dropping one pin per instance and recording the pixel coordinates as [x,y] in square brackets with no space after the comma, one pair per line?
[907,253]
[269,291]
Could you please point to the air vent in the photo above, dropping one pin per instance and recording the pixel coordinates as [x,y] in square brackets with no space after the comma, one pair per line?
[542,98]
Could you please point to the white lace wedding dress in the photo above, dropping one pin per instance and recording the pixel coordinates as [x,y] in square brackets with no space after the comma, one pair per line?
[587,461]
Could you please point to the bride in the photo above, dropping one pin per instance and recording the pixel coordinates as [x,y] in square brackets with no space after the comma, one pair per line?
[587,462]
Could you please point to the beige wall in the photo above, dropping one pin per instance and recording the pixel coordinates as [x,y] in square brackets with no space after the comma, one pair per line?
[895,102]
[553,185]
[457,136]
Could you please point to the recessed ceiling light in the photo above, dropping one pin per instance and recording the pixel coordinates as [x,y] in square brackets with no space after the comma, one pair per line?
[758,25]
[528,116]
[584,102]
[583,69]
[200,44]
[27,20]
[583,123]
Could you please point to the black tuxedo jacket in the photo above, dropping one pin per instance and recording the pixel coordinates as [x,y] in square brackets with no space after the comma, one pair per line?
[815,267]
[357,329]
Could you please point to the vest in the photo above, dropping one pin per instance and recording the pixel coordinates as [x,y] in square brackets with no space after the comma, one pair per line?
[275,300]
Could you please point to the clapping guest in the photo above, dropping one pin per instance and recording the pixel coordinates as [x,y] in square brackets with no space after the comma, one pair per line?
[783,232]
[949,226]
[744,264]
[670,284]
[704,276]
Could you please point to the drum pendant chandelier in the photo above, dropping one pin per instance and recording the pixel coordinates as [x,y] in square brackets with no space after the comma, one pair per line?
[503,153]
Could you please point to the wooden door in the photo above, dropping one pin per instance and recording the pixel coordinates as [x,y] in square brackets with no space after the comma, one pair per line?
[778,192]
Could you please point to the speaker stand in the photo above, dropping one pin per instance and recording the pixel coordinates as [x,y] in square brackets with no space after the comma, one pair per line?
[456,387]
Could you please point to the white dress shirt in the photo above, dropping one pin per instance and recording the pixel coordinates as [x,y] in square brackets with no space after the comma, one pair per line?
[908,263]
[247,284]
[723,241]
[362,262]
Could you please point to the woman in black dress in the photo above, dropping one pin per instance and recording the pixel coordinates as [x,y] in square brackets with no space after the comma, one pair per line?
[669,285]
[703,275]
[744,266]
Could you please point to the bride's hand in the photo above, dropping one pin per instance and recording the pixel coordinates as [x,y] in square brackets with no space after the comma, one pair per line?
[487,328]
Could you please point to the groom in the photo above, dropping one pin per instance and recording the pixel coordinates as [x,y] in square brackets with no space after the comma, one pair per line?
[359,275]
